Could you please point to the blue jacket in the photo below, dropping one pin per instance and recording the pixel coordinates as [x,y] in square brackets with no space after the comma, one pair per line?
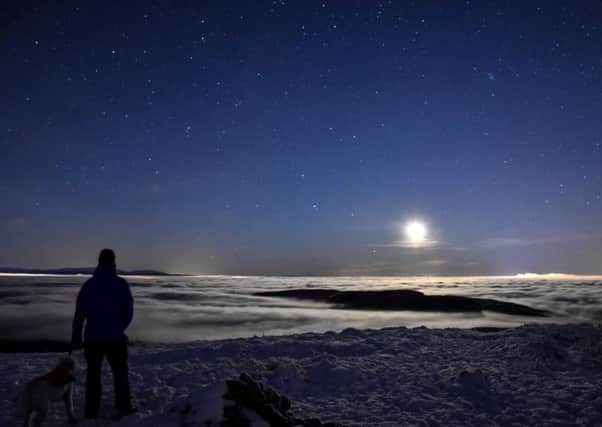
[105,302]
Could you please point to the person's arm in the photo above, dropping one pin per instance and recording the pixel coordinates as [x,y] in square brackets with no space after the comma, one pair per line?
[128,311]
[79,317]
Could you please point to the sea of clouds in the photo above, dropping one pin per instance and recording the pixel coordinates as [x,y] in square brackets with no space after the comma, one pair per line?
[188,308]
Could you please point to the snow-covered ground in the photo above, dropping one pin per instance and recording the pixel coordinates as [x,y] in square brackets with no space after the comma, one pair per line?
[531,375]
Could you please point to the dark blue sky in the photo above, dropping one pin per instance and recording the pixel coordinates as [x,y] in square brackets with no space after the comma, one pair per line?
[298,137]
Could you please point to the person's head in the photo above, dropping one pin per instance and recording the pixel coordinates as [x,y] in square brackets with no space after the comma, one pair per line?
[106,257]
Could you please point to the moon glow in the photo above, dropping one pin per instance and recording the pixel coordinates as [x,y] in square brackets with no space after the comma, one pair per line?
[416,232]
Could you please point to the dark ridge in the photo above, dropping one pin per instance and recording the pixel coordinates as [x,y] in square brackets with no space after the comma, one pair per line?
[177,296]
[34,346]
[40,346]
[405,300]
[489,329]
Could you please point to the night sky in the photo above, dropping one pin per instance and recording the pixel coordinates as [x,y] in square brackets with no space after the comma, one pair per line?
[299,137]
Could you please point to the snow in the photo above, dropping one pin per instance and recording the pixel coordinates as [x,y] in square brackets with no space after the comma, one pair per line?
[529,375]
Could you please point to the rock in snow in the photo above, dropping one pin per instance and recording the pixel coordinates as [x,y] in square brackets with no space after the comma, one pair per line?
[528,376]
[272,407]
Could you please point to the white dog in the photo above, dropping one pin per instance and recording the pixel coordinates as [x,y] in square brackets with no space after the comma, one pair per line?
[52,387]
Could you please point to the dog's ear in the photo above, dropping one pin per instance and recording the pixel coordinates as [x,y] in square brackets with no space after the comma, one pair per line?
[67,363]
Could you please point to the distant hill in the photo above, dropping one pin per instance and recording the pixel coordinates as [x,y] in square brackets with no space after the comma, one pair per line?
[78,270]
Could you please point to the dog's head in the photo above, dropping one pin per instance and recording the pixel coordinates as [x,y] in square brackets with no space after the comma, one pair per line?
[67,365]
[63,373]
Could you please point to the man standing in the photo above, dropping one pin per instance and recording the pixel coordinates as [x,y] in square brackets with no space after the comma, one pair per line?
[105,303]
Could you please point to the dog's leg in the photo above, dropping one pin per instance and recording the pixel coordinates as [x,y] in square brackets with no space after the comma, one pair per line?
[68,399]
[41,411]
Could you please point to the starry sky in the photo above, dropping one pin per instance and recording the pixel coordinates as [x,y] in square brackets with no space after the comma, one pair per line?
[298,137]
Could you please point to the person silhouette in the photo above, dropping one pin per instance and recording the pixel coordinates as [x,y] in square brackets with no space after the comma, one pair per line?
[106,305]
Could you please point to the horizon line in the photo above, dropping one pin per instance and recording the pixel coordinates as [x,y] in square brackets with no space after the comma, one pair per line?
[525,275]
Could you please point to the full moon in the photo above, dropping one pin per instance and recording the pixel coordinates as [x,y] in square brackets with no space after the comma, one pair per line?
[416,231]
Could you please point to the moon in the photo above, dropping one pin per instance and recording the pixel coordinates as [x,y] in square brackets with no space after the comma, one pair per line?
[416,232]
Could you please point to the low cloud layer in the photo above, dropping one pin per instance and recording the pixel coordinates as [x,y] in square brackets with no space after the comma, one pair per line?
[212,307]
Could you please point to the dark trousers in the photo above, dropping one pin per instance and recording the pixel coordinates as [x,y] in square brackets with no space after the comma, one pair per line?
[116,353]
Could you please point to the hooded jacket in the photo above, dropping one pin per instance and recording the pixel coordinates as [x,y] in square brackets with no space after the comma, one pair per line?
[105,303]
